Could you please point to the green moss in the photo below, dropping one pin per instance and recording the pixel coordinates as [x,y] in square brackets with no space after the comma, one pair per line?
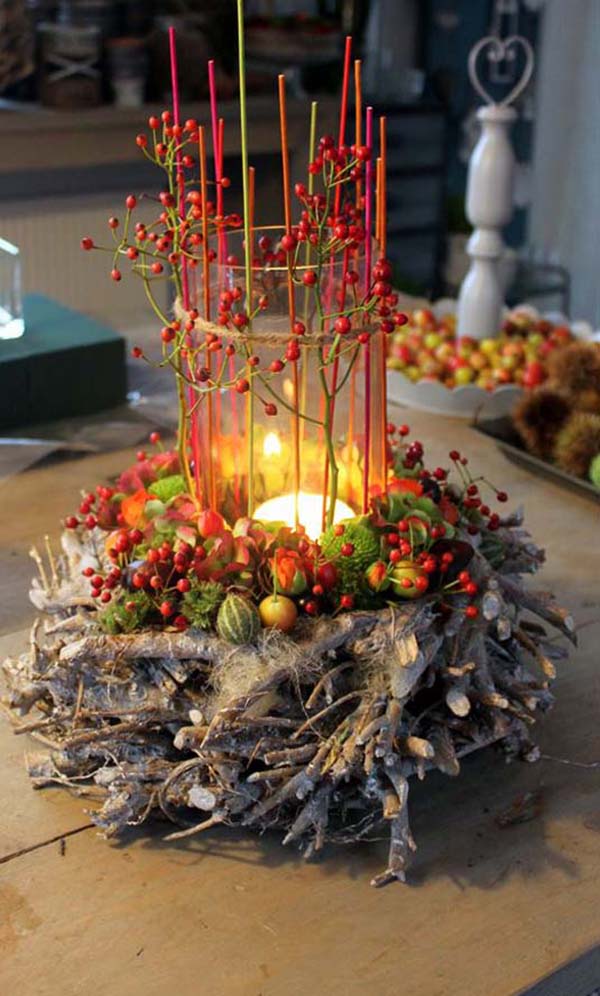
[366,543]
[201,603]
[115,618]
[168,487]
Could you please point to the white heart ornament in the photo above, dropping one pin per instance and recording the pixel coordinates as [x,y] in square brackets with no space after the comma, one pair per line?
[501,49]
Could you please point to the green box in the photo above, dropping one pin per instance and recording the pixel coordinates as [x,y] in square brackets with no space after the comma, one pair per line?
[65,364]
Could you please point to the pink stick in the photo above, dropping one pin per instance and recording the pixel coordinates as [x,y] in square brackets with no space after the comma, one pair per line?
[194,428]
[217,144]
[344,109]
[217,152]
[368,236]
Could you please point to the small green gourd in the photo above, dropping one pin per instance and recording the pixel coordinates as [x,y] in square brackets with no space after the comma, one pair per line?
[238,620]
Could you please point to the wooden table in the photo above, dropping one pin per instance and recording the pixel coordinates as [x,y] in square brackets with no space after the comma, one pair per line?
[487,911]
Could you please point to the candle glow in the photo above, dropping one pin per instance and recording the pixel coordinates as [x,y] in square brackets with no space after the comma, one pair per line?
[310,509]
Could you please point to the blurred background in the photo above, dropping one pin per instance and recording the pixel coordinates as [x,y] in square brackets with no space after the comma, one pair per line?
[79,77]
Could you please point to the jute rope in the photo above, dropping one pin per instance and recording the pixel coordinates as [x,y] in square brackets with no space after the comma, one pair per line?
[310,339]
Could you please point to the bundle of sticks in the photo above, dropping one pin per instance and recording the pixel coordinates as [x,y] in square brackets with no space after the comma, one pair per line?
[316,736]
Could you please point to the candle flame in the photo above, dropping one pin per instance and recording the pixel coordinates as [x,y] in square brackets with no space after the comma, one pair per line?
[272,445]
[310,509]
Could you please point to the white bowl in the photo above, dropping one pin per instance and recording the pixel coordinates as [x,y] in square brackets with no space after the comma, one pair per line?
[470,401]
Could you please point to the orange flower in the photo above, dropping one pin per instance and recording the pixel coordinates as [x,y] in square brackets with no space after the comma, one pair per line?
[289,571]
[405,484]
[449,510]
[132,508]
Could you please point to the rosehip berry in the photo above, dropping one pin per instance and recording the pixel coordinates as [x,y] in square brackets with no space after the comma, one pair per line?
[309,278]
[501,496]
[180,622]
[454,455]
[71,522]
[141,141]
[395,556]
[289,242]
[421,584]
[311,608]
[154,122]
[317,589]
[154,438]
[115,275]
[166,609]
[242,386]
[87,243]
[471,612]
[183,585]
[399,318]
[347,549]
[299,328]
[347,601]
[157,267]
[136,352]
[270,408]
[105,597]
[276,366]
[339,529]
[91,522]
[130,202]
[342,325]
[403,430]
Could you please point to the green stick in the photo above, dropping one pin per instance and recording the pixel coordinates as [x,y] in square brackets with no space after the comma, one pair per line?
[247,241]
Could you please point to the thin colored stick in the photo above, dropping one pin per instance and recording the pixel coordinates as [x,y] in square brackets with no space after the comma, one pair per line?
[378,200]
[367,288]
[247,235]
[217,174]
[358,118]
[381,335]
[383,184]
[358,141]
[311,186]
[221,256]
[194,426]
[287,200]
[212,488]
[343,110]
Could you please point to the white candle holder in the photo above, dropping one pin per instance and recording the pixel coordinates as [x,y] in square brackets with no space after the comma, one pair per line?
[489,200]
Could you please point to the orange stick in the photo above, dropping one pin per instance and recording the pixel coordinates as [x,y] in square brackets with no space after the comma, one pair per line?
[206,281]
[383,184]
[251,188]
[287,200]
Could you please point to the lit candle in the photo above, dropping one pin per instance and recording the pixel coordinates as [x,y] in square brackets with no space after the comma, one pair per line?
[310,508]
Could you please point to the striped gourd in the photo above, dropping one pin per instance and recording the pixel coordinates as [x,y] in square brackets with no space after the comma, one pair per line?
[238,620]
